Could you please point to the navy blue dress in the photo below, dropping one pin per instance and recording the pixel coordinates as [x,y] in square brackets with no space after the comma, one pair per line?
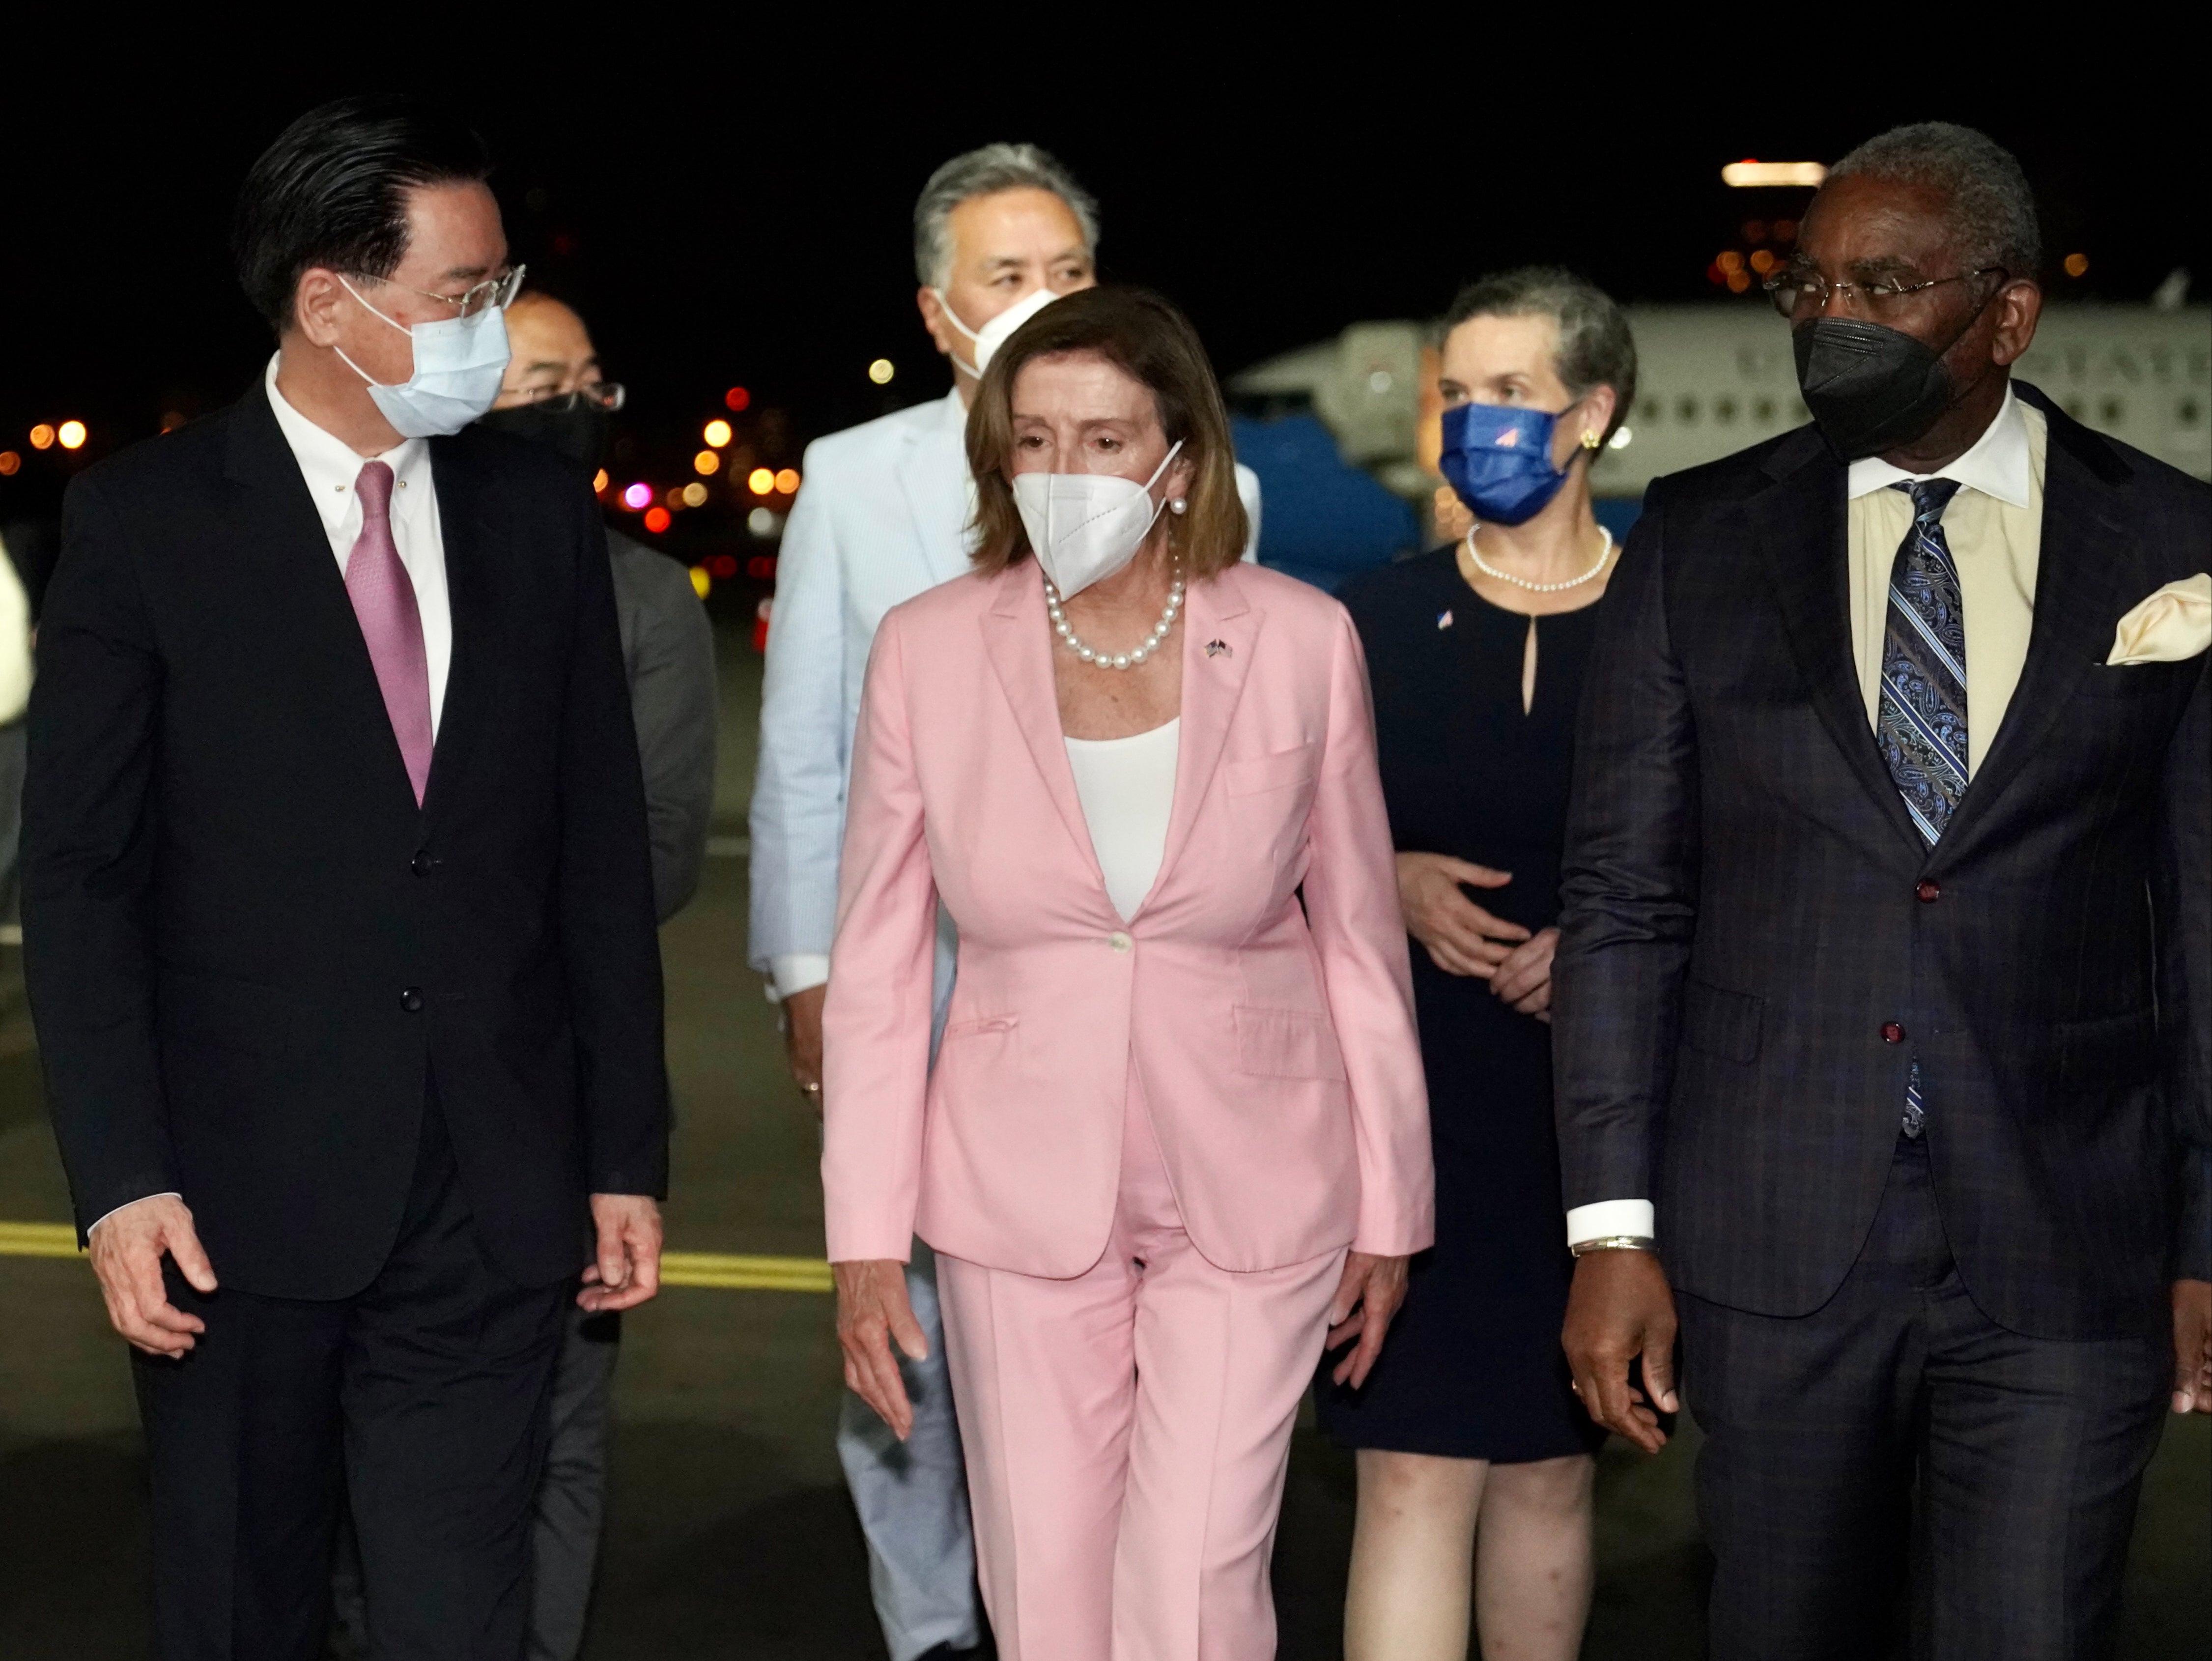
[1473,1367]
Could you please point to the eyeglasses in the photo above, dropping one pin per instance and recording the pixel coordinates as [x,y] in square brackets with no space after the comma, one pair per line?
[492,291]
[1792,287]
[607,395]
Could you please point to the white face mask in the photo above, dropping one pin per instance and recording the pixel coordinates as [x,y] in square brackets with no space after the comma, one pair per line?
[995,333]
[458,366]
[1084,527]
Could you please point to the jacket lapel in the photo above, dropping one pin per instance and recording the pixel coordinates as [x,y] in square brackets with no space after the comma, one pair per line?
[2078,570]
[310,592]
[1801,527]
[1018,643]
[468,526]
[932,472]
[1216,614]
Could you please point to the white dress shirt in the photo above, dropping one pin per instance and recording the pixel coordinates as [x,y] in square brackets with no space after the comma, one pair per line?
[331,465]
[1994,529]
[1127,787]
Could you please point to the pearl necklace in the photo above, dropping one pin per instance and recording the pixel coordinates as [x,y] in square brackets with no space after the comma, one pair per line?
[1128,659]
[1490,570]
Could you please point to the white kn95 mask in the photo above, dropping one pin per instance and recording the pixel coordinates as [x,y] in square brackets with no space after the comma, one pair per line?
[1084,527]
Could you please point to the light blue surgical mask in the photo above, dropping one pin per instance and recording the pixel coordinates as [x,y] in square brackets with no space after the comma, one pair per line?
[458,363]
[1498,458]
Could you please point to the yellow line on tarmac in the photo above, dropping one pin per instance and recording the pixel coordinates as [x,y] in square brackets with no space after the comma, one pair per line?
[720,1271]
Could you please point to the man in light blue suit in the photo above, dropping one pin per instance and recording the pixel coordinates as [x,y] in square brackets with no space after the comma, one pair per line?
[1000,233]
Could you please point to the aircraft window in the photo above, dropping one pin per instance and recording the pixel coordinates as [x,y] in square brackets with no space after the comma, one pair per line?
[2077,408]
[2188,411]
[1647,409]
[2077,363]
[2112,410]
[1764,410]
[1724,409]
[1687,410]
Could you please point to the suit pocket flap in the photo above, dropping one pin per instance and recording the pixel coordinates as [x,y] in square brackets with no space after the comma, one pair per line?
[1286,1044]
[1719,1022]
[1282,770]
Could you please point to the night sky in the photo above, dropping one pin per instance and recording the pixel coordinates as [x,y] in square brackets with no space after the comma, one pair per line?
[755,231]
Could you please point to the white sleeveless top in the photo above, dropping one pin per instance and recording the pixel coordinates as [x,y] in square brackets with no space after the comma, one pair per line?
[1127,787]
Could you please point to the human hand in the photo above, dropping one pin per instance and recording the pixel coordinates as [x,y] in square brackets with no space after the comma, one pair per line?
[627,1270]
[1367,1296]
[1524,979]
[1462,938]
[126,1247]
[1619,1307]
[802,1040]
[873,1314]
[2192,1346]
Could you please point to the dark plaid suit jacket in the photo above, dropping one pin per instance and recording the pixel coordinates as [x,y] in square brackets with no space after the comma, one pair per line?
[1747,907]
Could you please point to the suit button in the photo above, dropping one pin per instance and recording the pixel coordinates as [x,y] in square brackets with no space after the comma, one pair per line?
[1928,892]
[1892,1032]
[420,864]
[1119,942]
[411,999]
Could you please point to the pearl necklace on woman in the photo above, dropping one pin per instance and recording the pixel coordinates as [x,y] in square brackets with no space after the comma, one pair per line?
[1484,566]
[1128,659]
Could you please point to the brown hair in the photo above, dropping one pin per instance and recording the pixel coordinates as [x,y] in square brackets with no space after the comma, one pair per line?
[1147,338]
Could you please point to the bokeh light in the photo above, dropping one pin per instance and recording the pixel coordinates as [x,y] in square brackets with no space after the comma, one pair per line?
[760,481]
[657,519]
[787,480]
[762,522]
[717,433]
[695,494]
[672,498]
[2077,265]
[600,483]
[171,420]
[700,582]
[42,437]
[706,462]
[70,434]
[638,496]
[881,371]
[736,399]
[11,463]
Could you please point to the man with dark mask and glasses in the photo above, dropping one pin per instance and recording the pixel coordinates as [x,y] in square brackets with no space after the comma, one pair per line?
[1883,999]
[338,921]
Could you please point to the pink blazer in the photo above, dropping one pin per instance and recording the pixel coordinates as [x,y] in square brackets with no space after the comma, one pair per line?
[1274,1043]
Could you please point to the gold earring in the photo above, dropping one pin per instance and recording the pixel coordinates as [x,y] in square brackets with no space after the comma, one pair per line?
[1589,439]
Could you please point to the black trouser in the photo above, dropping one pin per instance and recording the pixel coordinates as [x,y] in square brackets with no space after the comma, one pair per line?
[2027,1455]
[430,1385]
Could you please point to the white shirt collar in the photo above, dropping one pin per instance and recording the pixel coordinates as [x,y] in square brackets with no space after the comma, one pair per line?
[1996,465]
[331,465]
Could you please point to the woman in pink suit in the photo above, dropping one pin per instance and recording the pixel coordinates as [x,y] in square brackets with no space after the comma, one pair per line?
[1177,1132]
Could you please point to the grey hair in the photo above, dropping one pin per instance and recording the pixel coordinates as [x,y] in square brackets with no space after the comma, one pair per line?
[983,172]
[1597,346]
[1991,207]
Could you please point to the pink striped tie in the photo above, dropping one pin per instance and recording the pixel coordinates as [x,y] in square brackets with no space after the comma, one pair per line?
[384,601]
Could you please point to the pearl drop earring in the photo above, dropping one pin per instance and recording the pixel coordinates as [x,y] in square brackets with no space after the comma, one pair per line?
[1178,505]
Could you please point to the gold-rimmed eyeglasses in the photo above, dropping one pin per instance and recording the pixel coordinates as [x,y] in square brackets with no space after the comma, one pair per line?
[497,291]
[1799,287]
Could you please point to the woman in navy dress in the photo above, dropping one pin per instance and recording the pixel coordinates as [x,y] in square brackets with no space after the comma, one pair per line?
[1474,1458]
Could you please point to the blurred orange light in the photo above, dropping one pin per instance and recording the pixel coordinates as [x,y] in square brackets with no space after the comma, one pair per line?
[737,398]
[1739,281]
[716,435]
[42,437]
[9,462]
[673,499]
[1752,175]
[700,582]
[71,434]
[1730,260]
[787,480]
[2077,265]
[695,494]
[656,519]
[1763,262]
[707,462]
[171,420]
[760,481]
[600,483]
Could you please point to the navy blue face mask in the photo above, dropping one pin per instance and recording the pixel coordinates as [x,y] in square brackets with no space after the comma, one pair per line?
[1498,457]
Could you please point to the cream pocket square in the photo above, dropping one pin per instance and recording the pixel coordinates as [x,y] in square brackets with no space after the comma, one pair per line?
[2173,623]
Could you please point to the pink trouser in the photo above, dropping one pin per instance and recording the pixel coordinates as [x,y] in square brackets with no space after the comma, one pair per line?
[1126,1433]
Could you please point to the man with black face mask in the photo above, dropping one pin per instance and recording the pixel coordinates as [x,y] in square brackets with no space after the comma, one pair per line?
[554,393]
[1883,999]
